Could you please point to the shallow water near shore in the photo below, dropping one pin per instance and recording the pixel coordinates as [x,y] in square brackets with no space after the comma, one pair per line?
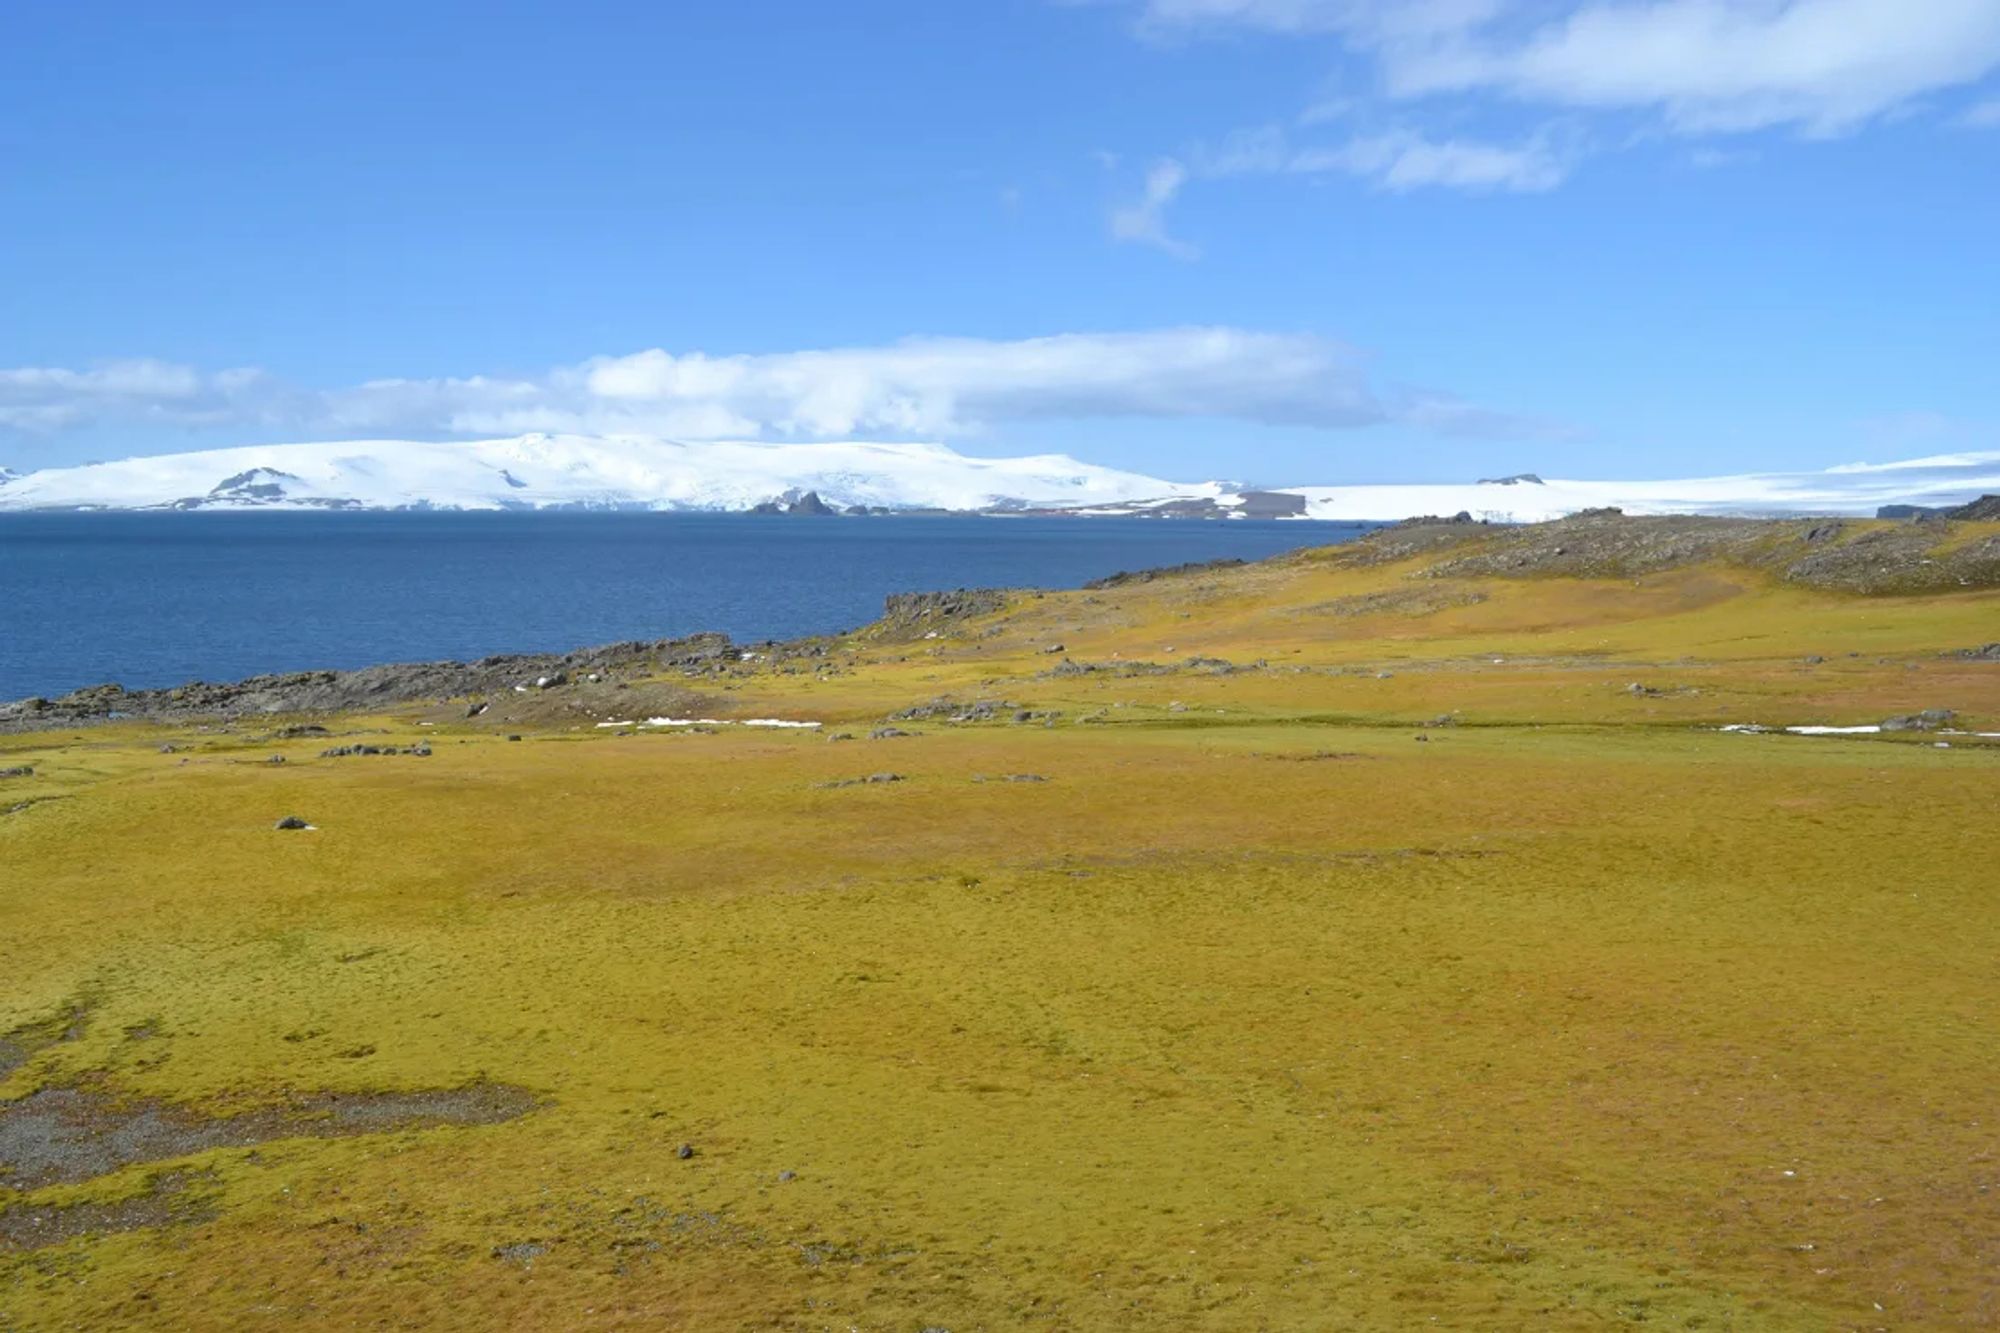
[150,600]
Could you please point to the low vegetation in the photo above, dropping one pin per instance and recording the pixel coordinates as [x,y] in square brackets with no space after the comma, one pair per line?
[1379,937]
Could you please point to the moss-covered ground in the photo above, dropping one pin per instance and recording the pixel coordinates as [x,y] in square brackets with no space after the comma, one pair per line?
[1266,1007]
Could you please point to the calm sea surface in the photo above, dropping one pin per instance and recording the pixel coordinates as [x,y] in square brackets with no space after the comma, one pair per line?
[158,599]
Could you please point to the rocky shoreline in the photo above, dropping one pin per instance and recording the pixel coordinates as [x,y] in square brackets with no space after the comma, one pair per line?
[1841,555]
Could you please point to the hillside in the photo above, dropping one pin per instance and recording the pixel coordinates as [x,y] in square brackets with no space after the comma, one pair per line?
[1440,930]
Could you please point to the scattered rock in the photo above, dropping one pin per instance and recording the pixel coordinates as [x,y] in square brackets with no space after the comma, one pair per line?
[292,822]
[872,779]
[787,1177]
[1930,719]
[889,734]
[1055,648]
[685,1151]
[18,771]
[521,1253]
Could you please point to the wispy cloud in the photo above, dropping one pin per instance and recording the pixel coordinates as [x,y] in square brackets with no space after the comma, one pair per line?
[918,388]
[1144,220]
[1717,66]
[1399,160]
[1702,66]
[1981,115]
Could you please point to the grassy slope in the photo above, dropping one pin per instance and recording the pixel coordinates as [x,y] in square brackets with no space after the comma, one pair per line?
[1255,1014]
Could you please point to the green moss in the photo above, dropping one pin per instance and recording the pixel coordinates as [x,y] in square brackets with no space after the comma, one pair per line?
[1577,1013]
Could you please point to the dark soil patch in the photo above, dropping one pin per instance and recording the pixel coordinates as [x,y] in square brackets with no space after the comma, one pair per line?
[169,1198]
[64,1135]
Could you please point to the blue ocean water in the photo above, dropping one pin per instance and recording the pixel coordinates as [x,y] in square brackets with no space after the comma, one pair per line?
[158,599]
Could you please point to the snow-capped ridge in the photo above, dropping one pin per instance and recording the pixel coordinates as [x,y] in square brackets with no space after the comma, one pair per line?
[557,471]
[542,471]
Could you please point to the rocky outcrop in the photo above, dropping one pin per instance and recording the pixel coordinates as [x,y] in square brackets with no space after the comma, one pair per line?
[906,613]
[1123,577]
[370,687]
[1986,509]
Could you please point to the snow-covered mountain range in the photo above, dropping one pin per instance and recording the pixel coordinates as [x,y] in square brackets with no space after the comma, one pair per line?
[629,472]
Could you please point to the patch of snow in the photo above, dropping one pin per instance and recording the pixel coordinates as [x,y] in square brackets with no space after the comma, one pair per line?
[1833,731]
[776,722]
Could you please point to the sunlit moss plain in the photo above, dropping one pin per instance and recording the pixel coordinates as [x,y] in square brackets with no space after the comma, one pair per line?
[1278,1002]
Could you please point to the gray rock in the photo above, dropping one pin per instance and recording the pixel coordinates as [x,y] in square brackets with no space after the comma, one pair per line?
[19,771]
[292,822]
[1930,719]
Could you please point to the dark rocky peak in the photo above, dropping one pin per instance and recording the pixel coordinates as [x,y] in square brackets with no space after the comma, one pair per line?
[259,483]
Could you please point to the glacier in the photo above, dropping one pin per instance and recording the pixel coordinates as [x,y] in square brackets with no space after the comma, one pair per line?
[542,471]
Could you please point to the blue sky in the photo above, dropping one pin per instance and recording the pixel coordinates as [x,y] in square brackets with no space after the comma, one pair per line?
[1284,241]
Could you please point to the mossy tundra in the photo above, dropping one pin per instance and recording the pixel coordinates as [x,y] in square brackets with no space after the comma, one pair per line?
[1368,939]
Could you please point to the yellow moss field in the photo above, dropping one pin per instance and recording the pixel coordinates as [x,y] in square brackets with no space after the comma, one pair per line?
[1255,1011]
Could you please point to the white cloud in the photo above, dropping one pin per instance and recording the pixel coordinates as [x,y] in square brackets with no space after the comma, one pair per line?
[921,387]
[1825,66]
[42,398]
[1981,115]
[1144,220]
[1379,20]
[1704,66]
